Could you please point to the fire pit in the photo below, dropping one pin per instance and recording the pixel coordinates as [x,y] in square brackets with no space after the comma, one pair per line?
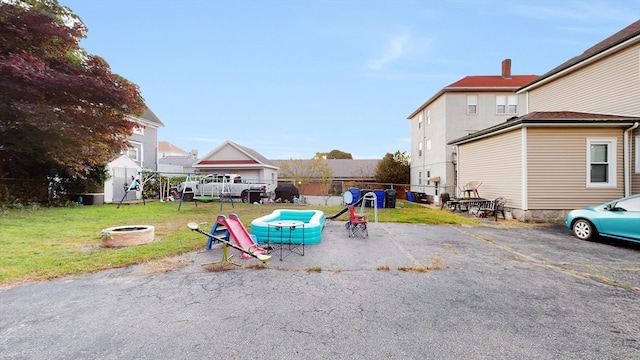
[130,235]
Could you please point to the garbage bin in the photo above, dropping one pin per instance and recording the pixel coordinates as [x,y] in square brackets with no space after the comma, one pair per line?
[379,198]
[410,196]
[255,195]
[355,195]
[367,203]
[390,198]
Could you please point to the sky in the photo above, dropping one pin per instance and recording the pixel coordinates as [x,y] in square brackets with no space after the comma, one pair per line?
[290,78]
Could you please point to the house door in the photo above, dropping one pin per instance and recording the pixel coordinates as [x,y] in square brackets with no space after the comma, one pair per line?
[121,180]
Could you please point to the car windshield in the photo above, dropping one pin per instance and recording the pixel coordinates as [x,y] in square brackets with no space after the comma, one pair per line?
[632,204]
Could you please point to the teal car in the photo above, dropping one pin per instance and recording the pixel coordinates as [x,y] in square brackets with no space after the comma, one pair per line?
[618,219]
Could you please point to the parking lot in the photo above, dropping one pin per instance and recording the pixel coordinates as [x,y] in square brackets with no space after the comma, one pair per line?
[405,292]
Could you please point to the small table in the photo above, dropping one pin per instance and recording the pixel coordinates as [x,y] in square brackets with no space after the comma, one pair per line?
[286,242]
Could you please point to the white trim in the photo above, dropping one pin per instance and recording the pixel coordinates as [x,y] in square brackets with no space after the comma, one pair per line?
[612,148]
[525,191]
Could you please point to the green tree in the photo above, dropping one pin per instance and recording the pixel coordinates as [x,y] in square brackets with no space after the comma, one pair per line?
[63,113]
[394,168]
[337,154]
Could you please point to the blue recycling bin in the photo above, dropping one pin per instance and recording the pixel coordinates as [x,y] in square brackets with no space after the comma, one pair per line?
[355,193]
[410,196]
[379,198]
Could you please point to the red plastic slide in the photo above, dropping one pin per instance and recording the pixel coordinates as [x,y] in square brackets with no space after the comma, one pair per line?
[240,235]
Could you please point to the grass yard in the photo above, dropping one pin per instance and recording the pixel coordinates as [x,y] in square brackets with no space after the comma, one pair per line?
[41,244]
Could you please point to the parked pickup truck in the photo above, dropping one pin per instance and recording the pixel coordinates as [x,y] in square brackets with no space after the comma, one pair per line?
[229,184]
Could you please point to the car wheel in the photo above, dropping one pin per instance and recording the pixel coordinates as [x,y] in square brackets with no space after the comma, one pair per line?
[245,197]
[584,229]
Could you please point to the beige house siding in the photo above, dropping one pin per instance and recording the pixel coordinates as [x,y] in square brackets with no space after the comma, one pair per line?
[557,168]
[497,163]
[608,86]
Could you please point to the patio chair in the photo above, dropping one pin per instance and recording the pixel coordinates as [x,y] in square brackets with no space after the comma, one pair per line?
[470,189]
[357,223]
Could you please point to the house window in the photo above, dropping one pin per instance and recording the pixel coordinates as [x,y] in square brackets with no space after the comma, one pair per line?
[132,153]
[506,104]
[138,130]
[419,177]
[601,162]
[428,177]
[428,116]
[512,100]
[428,145]
[472,104]
[420,121]
[420,149]
[501,104]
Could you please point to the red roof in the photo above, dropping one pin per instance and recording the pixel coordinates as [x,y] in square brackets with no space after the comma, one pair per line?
[494,81]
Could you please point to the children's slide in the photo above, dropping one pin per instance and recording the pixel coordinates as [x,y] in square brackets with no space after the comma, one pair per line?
[240,235]
[345,209]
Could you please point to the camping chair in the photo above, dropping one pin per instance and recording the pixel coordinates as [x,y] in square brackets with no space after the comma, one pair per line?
[357,223]
[470,189]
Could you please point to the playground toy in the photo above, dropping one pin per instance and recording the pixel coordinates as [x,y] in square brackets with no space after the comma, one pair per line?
[311,233]
[252,250]
[348,199]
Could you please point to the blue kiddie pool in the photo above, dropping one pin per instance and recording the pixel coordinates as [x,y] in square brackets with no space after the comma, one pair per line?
[285,225]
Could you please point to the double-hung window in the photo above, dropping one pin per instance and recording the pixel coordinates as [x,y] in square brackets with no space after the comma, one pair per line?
[601,162]
[506,104]
[512,102]
[472,104]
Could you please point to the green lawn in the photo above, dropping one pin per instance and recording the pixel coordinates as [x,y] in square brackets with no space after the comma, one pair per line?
[43,244]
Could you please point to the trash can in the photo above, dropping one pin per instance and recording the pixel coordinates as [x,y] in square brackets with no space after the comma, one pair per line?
[410,196]
[355,195]
[367,203]
[379,198]
[255,195]
[390,198]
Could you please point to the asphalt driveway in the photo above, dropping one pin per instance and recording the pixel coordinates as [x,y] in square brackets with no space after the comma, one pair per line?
[405,292]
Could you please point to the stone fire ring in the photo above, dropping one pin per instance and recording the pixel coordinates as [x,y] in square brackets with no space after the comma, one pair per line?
[130,235]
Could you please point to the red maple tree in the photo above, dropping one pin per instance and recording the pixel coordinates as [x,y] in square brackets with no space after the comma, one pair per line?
[63,113]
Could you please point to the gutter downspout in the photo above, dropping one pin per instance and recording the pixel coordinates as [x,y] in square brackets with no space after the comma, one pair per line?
[627,164]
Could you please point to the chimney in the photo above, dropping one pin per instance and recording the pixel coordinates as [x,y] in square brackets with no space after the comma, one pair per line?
[506,68]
